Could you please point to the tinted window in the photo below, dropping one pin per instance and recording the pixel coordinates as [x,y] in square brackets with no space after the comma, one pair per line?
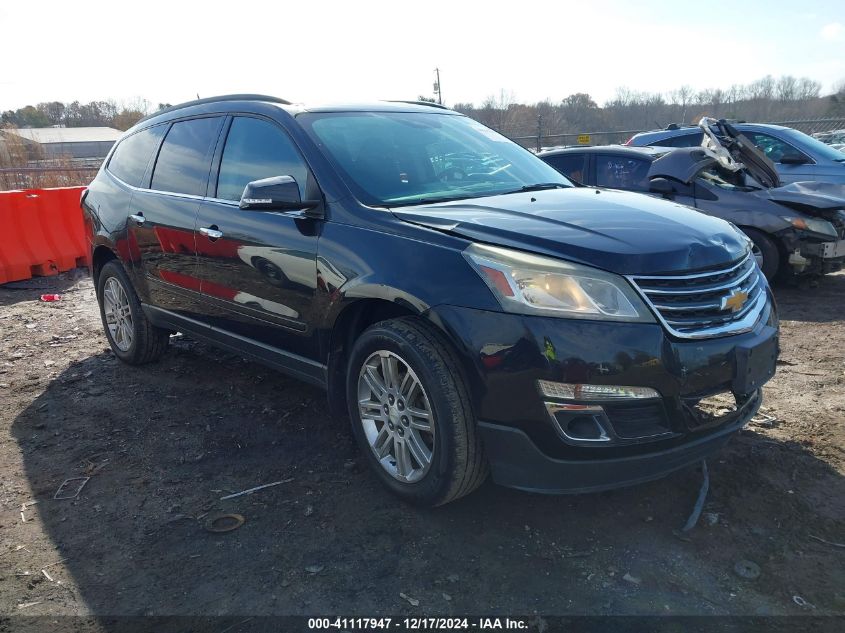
[685,140]
[185,157]
[570,165]
[772,147]
[257,149]
[622,172]
[130,158]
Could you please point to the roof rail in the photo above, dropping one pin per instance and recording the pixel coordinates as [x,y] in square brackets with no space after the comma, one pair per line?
[678,126]
[236,97]
[430,104]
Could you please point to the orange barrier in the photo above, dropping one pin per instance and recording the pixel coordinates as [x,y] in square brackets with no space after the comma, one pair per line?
[41,233]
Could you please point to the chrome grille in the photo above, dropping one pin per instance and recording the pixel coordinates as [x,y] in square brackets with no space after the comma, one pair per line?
[694,306]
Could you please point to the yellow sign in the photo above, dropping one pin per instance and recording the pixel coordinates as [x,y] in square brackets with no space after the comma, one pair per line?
[583,139]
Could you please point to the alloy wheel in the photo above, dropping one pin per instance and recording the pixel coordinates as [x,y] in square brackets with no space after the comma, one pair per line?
[118,314]
[396,415]
[758,255]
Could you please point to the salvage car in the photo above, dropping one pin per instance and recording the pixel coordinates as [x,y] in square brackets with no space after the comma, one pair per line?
[468,307]
[798,230]
[798,157]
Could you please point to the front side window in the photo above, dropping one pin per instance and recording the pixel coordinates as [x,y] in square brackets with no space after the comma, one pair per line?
[813,145]
[622,172]
[185,156]
[257,149]
[130,158]
[406,158]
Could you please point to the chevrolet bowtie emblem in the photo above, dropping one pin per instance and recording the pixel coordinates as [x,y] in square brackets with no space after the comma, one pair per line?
[734,301]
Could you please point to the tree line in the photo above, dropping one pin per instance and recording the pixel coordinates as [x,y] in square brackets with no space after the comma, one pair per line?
[107,113]
[768,99]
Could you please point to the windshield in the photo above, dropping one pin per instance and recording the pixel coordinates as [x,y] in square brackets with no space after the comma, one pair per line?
[402,158]
[814,146]
[726,179]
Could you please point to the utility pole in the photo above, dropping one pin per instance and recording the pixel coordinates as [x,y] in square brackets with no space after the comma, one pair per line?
[539,132]
[437,86]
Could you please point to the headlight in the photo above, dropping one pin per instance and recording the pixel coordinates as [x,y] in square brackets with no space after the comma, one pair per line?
[815,225]
[532,284]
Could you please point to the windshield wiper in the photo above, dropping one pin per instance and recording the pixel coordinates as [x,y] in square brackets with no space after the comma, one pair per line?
[433,200]
[540,186]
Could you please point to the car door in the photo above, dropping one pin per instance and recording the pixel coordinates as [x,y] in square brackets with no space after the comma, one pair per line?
[775,149]
[258,269]
[164,215]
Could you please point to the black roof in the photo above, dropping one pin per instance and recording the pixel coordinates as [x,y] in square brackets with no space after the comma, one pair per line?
[235,97]
[386,106]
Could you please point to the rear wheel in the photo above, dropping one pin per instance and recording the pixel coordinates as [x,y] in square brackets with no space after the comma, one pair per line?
[132,338]
[411,413]
[765,252]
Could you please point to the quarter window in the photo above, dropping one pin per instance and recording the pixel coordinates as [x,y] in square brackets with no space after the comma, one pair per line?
[185,157]
[130,158]
[257,149]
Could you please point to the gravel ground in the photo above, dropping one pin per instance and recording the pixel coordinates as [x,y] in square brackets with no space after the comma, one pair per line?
[162,443]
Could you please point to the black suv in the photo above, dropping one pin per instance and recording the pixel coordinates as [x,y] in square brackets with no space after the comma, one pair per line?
[465,303]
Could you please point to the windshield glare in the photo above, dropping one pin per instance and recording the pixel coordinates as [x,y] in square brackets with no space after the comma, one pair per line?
[402,158]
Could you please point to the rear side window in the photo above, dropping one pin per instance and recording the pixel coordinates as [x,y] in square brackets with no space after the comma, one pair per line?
[257,149]
[185,157]
[622,172]
[685,140]
[130,158]
[570,165]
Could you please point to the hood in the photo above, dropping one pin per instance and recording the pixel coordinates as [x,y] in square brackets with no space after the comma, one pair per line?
[822,196]
[618,231]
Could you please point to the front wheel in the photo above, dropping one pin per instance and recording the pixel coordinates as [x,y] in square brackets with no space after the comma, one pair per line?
[765,252]
[132,338]
[411,413]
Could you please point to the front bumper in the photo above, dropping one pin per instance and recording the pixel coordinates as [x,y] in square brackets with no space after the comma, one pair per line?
[825,250]
[516,462]
[506,354]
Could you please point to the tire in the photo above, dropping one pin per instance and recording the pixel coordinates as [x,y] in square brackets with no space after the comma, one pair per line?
[457,464]
[765,248]
[132,338]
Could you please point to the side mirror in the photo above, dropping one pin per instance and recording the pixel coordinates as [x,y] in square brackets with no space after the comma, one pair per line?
[280,193]
[661,186]
[793,158]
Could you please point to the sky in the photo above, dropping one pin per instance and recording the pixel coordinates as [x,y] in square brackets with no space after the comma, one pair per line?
[335,51]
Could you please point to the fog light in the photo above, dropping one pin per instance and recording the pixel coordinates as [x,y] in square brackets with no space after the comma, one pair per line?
[572,391]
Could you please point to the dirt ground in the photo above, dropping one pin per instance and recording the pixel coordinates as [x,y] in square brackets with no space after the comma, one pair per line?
[163,443]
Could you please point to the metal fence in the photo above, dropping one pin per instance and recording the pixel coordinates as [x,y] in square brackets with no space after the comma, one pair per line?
[540,141]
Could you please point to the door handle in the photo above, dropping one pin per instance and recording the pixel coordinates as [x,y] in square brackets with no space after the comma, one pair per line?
[138,218]
[211,232]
